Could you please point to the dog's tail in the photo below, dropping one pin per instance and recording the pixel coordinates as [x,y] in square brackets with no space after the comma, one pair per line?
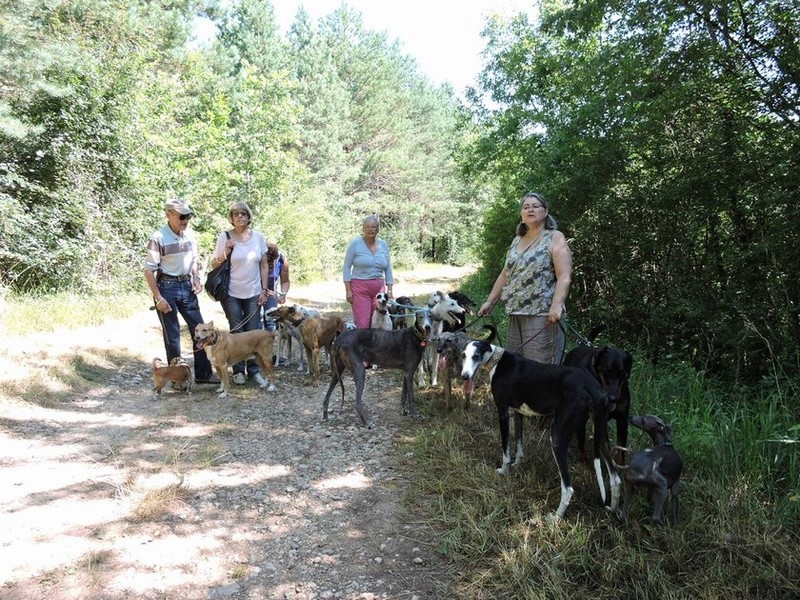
[492,333]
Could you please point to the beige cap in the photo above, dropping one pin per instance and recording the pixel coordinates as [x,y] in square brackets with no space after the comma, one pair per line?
[179,205]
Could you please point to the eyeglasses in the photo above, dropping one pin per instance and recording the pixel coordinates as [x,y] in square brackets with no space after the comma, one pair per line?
[240,213]
[183,217]
[532,207]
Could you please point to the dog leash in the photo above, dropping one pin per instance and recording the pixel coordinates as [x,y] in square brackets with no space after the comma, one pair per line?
[583,341]
[530,339]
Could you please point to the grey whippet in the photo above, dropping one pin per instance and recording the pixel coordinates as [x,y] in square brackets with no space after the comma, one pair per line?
[657,469]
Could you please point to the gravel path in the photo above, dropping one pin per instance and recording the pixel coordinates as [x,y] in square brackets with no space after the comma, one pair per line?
[106,493]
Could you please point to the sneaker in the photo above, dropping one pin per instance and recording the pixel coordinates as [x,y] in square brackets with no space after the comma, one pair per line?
[259,379]
[239,378]
[213,380]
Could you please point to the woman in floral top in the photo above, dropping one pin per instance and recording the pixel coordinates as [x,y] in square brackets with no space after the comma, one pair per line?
[534,284]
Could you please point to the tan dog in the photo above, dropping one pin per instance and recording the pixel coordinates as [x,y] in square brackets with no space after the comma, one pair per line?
[315,332]
[178,371]
[225,349]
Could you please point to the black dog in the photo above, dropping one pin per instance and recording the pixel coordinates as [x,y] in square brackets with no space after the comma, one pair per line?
[396,349]
[612,368]
[657,469]
[528,388]
[467,304]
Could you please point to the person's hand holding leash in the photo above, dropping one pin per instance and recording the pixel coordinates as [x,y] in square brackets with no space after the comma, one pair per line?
[486,309]
[264,296]
[163,306]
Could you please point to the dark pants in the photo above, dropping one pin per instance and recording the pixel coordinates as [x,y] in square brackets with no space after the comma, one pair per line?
[183,301]
[244,314]
[269,323]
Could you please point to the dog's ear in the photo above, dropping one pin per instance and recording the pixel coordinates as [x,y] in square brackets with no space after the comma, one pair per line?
[627,363]
[210,323]
[596,355]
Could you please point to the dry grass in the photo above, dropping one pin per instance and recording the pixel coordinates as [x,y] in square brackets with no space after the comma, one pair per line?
[153,504]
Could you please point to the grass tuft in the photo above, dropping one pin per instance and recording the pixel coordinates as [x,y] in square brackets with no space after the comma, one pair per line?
[155,503]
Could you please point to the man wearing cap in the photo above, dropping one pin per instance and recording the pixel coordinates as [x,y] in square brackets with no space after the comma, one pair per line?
[171,273]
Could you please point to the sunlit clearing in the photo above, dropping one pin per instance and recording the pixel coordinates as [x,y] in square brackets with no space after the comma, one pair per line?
[352,480]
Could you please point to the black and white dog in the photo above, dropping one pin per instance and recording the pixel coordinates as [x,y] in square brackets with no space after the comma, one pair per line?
[528,388]
[381,319]
[401,310]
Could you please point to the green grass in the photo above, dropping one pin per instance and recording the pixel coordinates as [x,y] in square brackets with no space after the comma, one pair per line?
[25,314]
[740,502]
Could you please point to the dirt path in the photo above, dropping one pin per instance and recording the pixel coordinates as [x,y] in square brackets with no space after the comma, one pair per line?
[106,493]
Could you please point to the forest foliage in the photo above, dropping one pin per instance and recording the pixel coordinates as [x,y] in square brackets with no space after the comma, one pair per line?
[664,133]
[667,136]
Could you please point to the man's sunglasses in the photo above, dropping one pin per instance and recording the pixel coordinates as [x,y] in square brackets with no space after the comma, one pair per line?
[185,217]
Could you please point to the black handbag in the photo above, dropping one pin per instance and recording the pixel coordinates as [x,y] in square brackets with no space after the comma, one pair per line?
[218,280]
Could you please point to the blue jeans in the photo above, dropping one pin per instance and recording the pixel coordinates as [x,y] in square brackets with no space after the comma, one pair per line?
[244,314]
[183,301]
[269,323]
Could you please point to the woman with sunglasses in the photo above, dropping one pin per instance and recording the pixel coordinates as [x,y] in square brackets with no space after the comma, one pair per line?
[171,273]
[248,290]
[534,284]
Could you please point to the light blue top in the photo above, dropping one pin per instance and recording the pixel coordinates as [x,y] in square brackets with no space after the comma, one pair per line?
[360,263]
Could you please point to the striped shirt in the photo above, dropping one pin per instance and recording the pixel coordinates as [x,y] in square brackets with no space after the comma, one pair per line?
[172,253]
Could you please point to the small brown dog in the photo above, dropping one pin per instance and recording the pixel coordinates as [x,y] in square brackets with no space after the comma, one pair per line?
[315,332]
[178,371]
[225,349]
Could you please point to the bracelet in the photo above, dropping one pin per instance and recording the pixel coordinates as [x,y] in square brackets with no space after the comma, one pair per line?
[282,294]
[160,298]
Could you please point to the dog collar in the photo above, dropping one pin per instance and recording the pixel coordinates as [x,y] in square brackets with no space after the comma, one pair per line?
[423,341]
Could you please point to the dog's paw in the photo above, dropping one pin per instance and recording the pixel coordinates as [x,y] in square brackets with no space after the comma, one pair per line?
[271,387]
[502,470]
[222,395]
[552,518]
